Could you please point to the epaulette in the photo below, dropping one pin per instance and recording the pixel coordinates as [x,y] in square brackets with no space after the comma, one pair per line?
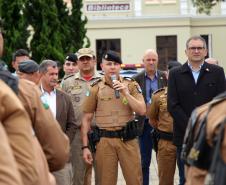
[129,78]
[96,82]
[68,76]
[158,90]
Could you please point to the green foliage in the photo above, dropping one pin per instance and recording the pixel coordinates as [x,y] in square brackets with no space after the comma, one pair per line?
[46,42]
[64,27]
[205,6]
[14,27]
[56,30]
[78,21]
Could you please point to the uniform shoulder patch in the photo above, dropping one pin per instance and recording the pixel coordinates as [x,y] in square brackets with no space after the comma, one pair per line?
[129,78]
[96,82]
[68,76]
[158,90]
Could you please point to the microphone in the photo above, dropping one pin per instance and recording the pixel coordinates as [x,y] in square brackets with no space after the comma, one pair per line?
[113,78]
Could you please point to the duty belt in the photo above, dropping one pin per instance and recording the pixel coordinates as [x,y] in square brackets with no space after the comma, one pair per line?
[111,134]
[165,135]
[130,131]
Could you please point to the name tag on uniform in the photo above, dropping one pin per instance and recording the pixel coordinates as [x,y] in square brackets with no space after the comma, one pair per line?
[77,87]
[105,98]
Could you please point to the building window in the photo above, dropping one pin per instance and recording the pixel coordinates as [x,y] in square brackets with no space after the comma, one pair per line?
[160,1]
[102,45]
[208,40]
[166,49]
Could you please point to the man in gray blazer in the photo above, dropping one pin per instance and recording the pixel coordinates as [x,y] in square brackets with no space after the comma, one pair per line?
[61,106]
[150,79]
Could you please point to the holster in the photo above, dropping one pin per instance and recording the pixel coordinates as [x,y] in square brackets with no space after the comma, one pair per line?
[131,130]
[165,135]
[155,139]
[94,138]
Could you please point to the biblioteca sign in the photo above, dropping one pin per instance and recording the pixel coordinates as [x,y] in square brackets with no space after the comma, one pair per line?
[111,7]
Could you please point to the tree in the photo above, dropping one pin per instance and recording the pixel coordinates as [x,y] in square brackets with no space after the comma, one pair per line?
[78,22]
[205,6]
[47,39]
[56,31]
[14,27]
[65,25]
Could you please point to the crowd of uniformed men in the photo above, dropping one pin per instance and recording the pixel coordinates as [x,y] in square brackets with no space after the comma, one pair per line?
[54,131]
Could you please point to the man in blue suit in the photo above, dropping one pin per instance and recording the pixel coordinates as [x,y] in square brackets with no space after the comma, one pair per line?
[149,80]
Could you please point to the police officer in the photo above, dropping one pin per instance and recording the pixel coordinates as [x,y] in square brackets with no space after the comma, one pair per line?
[114,100]
[9,173]
[29,70]
[17,125]
[206,127]
[161,120]
[56,148]
[70,67]
[70,64]
[77,86]
[18,128]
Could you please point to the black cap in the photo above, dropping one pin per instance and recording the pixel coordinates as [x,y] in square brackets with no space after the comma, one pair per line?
[112,56]
[28,66]
[172,64]
[71,57]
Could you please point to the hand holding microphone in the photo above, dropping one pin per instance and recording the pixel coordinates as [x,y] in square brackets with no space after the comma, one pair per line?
[113,79]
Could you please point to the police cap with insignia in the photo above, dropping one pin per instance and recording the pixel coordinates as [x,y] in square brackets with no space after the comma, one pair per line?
[28,66]
[85,52]
[71,57]
[112,56]
[172,64]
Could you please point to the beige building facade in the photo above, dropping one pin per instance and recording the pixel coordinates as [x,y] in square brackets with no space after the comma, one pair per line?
[132,26]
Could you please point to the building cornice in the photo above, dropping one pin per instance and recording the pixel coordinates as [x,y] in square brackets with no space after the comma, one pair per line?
[156,21]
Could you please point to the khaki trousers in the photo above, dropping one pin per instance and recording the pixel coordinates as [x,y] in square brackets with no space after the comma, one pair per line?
[110,152]
[166,158]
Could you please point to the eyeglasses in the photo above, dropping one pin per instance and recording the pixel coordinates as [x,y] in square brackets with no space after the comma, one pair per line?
[196,48]
[70,64]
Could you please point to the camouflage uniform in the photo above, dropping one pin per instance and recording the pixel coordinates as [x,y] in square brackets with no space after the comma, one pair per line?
[76,86]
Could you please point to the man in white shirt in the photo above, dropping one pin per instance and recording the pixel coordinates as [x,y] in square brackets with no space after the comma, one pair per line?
[61,106]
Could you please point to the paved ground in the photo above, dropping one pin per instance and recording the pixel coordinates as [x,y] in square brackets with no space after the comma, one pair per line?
[153,174]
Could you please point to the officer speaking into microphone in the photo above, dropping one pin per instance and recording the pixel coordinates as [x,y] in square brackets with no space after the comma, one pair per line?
[113,100]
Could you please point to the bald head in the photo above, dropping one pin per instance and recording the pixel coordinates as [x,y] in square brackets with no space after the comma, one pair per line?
[150,60]
[212,61]
[150,51]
